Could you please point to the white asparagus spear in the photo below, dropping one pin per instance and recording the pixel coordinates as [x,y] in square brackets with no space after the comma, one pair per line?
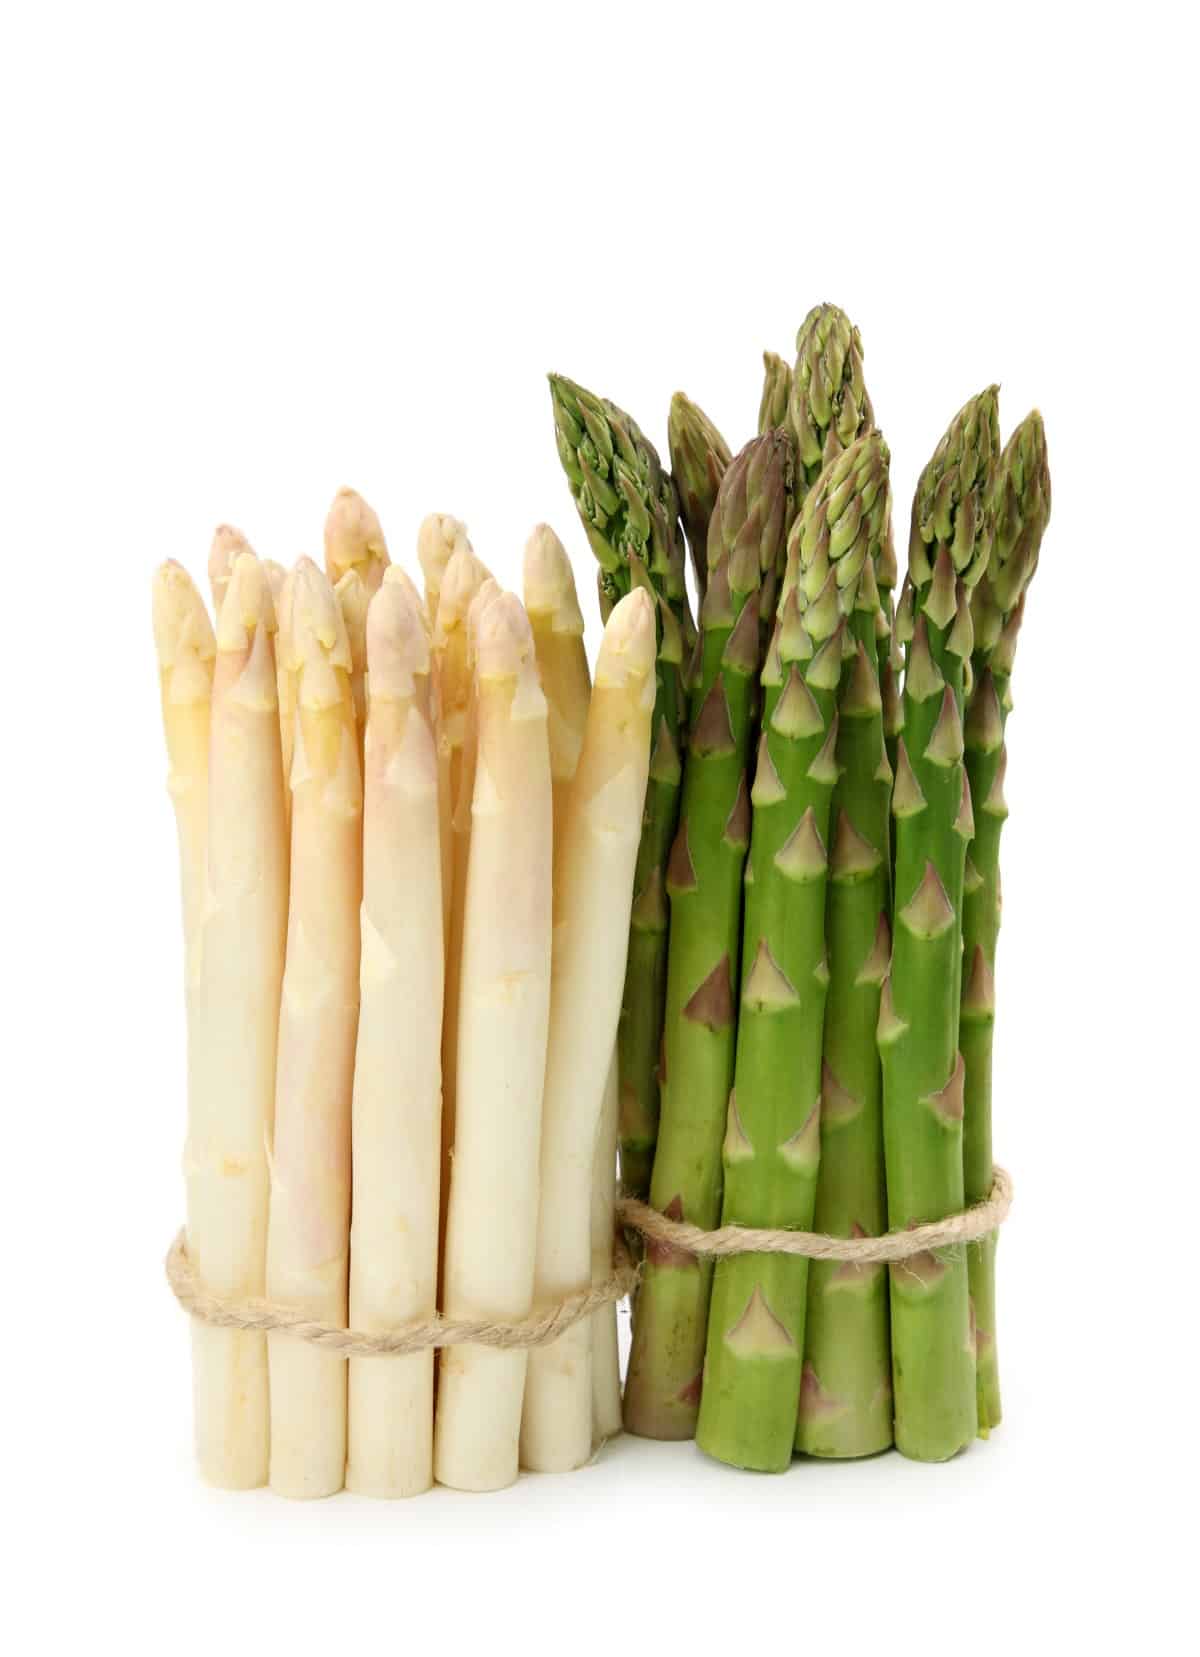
[276,576]
[606,1361]
[438,539]
[397,1073]
[505,1003]
[232,1065]
[353,598]
[228,544]
[285,681]
[354,541]
[308,1238]
[592,901]
[557,622]
[464,576]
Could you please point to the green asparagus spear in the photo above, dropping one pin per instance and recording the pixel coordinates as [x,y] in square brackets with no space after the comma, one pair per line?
[750,1397]
[699,457]
[704,881]
[776,392]
[1021,510]
[828,406]
[630,512]
[846,1392]
[933,1370]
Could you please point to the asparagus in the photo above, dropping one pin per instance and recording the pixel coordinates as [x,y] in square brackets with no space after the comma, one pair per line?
[704,880]
[828,406]
[593,880]
[776,393]
[699,457]
[627,507]
[354,541]
[845,1391]
[227,546]
[438,539]
[505,1002]
[1021,510]
[606,1361]
[352,596]
[749,1403]
[932,1349]
[397,1069]
[309,1227]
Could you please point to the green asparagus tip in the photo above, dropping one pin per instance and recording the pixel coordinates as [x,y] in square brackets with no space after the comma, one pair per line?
[845,524]
[828,405]
[1019,506]
[950,508]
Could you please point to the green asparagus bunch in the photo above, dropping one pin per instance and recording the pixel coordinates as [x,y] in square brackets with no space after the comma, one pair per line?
[756,1332]
[846,1393]
[699,458]
[630,512]
[1021,511]
[932,1346]
[704,882]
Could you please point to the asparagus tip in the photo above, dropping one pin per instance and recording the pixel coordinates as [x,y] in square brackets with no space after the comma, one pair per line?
[181,624]
[397,640]
[247,604]
[549,582]
[354,539]
[629,645]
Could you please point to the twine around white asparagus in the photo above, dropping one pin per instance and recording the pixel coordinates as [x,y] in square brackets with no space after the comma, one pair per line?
[543,1326]
[967,1227]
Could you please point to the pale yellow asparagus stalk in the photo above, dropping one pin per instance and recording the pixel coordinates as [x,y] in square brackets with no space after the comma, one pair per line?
[242,947]
[606,1360]
[464,576]
[276,576]
[438,539]
[397,1072]
[308,1238]
[353,598]
[557,622]
[354,541]
[228,544]
[504,1015]
[285,682]
[593,895]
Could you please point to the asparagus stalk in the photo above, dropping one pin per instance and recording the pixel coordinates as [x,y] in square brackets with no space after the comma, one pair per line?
[462,578]
[606,1363]
[308,1234]
[845,1391]
[396,1159]
[776,393]
[353,598]
[748,1408]
[505,1003]
[592,895]
[438,539]
[704,880]
[932,1348]
[699,457]
[276,576]
[354,541]
[627,506]
[828,406]
[1021,511]
[227,546]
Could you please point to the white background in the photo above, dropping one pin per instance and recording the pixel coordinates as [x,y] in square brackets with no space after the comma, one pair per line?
[253,253]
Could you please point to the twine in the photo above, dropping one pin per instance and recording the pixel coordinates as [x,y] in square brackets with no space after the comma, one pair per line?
[546,1325]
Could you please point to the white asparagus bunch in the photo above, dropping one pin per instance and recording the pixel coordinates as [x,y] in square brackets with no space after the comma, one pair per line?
[438,539]
[397,1073]
[557,622]
[308,1238]
[504,1016]
[606,1358]
[227,546]
[594,872]
[354,541]
[463,577]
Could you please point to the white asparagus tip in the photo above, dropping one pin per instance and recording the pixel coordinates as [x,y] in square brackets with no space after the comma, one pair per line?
[397,641]
[354,540]
[247,604]
[228,544]
[504,641]
[182,629]
[438,539]
[490,591]
[461,580]
[629,646]
[398,576]
[276,576]
[549,582]
[316,634]
[353,599]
